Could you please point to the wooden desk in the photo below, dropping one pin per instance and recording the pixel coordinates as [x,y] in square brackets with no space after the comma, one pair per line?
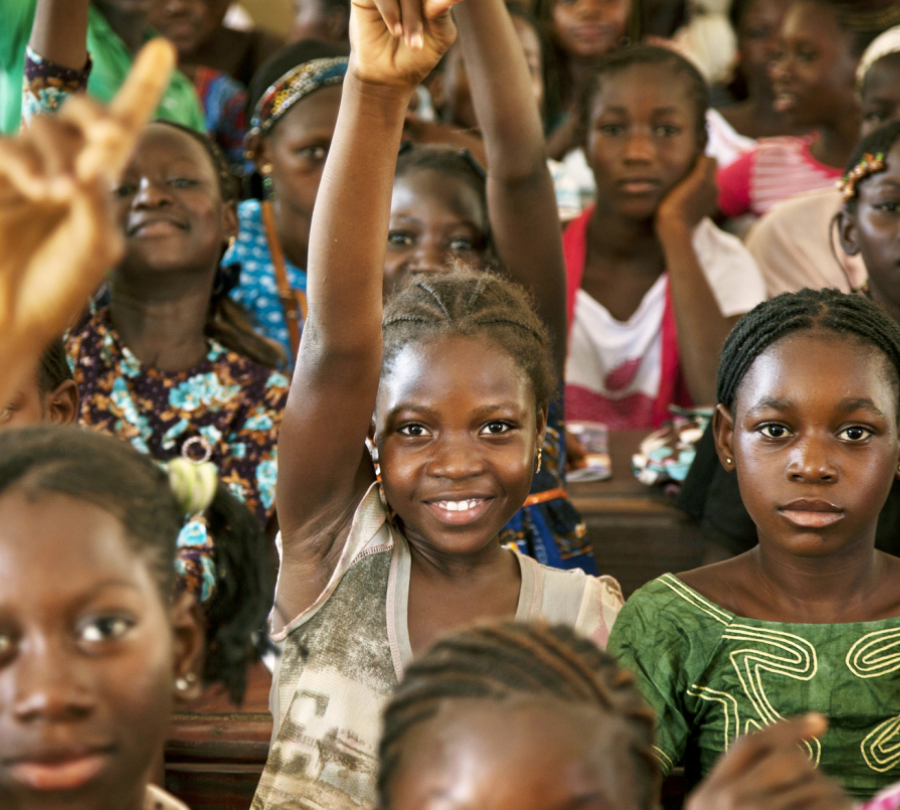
[216,753]
[636,531]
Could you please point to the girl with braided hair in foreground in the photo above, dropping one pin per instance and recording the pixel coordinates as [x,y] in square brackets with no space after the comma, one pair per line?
[808,419]
[458,373]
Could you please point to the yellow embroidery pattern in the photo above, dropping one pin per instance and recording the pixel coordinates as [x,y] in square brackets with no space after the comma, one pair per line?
[874,656]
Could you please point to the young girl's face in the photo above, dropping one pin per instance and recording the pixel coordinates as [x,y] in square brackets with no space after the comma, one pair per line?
[296,150]
[881,94]
[436,219]
[169,205]
[759,38]
[89,649]
[872,230]
[519,755]
[642,138]
[590,28]
[814,77]
[32,406]
[187,24]
[457,433]
[814,441]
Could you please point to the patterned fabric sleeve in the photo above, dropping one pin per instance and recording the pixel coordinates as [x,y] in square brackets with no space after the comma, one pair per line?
[47,85]
[251,467]
[652,640]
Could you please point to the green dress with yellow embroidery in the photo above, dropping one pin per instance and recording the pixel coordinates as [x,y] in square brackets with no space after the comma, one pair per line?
[710,675]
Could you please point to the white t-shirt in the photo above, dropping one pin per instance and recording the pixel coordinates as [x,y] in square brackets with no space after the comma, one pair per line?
[614,368]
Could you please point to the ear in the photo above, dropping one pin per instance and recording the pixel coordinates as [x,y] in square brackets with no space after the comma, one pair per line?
[847,232]
[541,426]
[188,629]
[231,221]
[723,432]
[257,150]
[61,405]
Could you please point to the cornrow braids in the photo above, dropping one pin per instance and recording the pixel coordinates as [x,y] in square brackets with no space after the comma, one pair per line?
[621,60]
[496,661]
[462,302]
[825,311]
[868,159]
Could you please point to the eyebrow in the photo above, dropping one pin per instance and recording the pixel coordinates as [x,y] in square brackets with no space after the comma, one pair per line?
[481,413]
[858,404]
[105,584]
[771,404]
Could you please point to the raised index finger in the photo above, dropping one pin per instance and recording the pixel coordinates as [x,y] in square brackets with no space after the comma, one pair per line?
[148,79]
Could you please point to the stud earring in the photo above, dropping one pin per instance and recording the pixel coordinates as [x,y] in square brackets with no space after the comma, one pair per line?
[728,459]
[540,453]
[184,682]
[268,188]
[231,242]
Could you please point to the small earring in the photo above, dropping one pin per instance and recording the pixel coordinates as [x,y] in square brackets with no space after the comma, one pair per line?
[268,188]
[231,242]
[183,683]
[728,459]
[540,454]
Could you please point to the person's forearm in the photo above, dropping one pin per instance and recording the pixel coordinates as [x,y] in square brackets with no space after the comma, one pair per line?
[502,95]
[349,226]
[702,328]
[59,33]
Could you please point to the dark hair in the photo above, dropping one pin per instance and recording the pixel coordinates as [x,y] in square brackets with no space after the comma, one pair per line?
[462,302]
[113,476]
[618,61]
[495,661]
[54,369]
[289,57]
[863,25]
[852,317]
[879,142]
[560,88]
[444,160]
[227,321]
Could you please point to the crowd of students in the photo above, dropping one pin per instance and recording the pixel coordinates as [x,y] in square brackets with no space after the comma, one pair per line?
[293,331]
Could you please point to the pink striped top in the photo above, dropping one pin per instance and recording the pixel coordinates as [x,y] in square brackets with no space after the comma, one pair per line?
[777,169]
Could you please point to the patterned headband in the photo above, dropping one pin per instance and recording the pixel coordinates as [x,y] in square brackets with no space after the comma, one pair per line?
[869,165]
[294,86]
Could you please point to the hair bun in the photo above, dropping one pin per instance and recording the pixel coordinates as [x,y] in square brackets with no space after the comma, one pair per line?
[193,485]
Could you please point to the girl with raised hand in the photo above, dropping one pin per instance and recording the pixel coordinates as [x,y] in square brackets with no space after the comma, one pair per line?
[458,373]
[808,419]
[653,285]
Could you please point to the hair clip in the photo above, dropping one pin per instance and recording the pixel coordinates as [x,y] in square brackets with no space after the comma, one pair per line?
[867,166]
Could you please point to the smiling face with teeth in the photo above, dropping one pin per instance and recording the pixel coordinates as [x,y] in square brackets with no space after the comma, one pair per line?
[457,430]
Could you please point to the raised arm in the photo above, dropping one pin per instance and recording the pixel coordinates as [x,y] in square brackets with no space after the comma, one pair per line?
[59,34]
[57,231]
[323,469]
[521,201]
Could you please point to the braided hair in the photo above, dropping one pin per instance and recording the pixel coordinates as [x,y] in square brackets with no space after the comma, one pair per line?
[495,661]
[113,476]
[861,166]
[852,317]
[467,303]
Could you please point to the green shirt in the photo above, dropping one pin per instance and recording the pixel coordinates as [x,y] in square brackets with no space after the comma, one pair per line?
[710,675]
[112,61]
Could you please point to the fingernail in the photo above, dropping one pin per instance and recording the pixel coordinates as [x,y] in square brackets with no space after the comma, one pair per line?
[398,30]
[417,42]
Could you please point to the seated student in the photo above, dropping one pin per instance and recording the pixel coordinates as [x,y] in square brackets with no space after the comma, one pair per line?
[116,29]
[794,244]
[458,372]
[294,101]
[710,494]
[757,24]
[196,29]
[49,396]
[814,88]
[510,715]
[88,525]
[653,285]
[808,417]
[328,20]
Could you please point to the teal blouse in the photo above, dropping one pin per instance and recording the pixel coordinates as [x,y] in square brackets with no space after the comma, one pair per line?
[711,675]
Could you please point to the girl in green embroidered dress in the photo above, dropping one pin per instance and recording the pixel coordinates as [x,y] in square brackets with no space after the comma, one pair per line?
[809,619]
